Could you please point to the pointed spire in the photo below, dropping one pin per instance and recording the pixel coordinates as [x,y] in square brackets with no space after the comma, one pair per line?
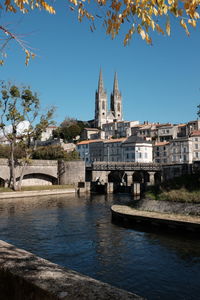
[115,85]
[100,85]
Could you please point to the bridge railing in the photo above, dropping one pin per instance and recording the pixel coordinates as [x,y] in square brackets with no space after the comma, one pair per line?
[125,166]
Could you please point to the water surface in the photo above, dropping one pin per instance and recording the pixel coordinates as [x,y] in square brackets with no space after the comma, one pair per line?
[76,232]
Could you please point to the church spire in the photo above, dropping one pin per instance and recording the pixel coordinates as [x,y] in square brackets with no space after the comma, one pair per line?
[100,85]
[115,85]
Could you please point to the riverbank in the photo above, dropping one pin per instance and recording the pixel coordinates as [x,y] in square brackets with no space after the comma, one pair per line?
[126,215]
[185,189]
[35,193]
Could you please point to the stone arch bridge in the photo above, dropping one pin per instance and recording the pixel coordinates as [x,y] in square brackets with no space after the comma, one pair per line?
[38,172]
[124,173]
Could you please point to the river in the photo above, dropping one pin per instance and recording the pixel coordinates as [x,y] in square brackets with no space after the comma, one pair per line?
[76,232]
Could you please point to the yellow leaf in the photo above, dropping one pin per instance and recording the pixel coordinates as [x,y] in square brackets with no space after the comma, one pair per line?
[143,34]
[183,24]
[168,29]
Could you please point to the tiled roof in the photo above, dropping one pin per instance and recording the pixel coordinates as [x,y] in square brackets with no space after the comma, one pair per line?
[115,140]
[89,142]
[195,133]
[136,139]
[161,144]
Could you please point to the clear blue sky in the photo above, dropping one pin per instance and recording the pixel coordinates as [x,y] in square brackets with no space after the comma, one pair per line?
[158,83]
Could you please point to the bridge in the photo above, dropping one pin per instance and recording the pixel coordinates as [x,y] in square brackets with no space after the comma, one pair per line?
[124,174]
[38,172]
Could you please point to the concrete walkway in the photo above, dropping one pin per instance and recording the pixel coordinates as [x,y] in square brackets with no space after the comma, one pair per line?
[23,194]
[127,210]
[128,215]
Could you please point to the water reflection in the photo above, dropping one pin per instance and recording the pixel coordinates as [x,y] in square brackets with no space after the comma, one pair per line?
[76,232]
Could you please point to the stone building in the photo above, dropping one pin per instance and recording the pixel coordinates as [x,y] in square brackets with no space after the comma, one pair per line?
[161,152]
[136,149]
[132,149]
[102,114]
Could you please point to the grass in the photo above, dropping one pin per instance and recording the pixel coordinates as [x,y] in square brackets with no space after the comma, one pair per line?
[180,189]
[39,188]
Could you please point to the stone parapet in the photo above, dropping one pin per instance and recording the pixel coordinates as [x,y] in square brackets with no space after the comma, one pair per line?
[24,276]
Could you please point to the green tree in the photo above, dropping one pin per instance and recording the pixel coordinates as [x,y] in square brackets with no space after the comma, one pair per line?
[17,106]
[54,152]
[198,111]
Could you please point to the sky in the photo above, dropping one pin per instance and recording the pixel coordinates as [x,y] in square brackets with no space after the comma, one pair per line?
[159,83]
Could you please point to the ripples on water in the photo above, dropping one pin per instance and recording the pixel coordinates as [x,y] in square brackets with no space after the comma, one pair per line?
[76,232]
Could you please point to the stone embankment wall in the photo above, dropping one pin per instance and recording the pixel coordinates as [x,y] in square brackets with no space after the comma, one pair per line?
[168,207]
[24,276]
[71,172]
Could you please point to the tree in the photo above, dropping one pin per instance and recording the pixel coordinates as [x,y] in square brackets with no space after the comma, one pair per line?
[20,106]
[198,112]
[54,152]
[142,16]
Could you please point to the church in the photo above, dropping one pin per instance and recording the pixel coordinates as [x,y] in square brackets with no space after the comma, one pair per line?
[102,114]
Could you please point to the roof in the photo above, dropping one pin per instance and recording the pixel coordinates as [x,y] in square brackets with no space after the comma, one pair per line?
[93,129]
[115,140]
[195,133]
[136,139]
[89,142]
[161,144]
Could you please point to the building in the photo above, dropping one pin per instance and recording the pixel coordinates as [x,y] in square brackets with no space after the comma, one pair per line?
[195,137]
[102,114]
[48,133]
[132,149]
[118,129]
[113,149]
[161,152]
[136,149]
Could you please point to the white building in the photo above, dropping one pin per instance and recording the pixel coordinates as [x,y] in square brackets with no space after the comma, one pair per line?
[136,149]
[48,133]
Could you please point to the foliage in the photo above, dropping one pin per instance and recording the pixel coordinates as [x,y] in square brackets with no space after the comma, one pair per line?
[70,129]
[142,16]
[181,189]
[54,152]
[5,152]
[198,112]
[20,106]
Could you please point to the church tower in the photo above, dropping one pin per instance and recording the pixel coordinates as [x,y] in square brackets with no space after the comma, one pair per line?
[100,104]
[116,101]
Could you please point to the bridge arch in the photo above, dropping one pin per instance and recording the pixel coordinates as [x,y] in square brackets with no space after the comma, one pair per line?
[157,178]
[2,182]
[38,179]
[116,176]
[138,177]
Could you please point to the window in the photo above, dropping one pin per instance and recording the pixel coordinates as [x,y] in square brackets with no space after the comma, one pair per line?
[197,154]
[118,107]
[146,155]
[103,104]
[196,146]
[140,155]
[196,139]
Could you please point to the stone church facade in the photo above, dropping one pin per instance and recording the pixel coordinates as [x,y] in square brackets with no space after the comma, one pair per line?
[102,114]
